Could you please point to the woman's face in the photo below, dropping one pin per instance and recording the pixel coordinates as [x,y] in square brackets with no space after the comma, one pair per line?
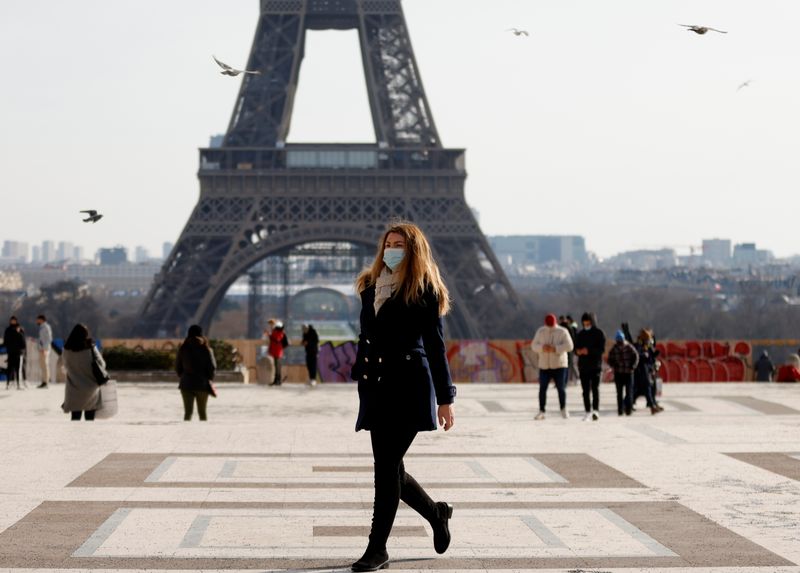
[394,241]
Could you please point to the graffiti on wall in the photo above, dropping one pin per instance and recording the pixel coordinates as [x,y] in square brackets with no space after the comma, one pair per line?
[336,360]
[486,361]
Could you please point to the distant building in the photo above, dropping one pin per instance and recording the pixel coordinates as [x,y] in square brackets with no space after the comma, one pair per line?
[518,252]
[717,252]
[644,260]
[112,256]
[141,255]
[166,249]
[65,251]
[15,252]
[216,140]
[36,254]
[748,254]
[77,254]
[126,279]
[48,251]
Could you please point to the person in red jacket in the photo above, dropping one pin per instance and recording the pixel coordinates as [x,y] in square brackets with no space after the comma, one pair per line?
[277,342]
[789,372]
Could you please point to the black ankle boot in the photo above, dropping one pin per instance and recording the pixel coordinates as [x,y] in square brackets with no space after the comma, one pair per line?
[441,530]
[372,560]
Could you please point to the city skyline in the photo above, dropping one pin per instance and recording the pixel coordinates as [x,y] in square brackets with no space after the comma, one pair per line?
[632,140]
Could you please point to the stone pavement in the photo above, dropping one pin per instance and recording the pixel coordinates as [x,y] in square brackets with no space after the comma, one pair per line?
[278,480]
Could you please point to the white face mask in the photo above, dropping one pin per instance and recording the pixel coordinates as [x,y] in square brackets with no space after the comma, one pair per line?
[393,257]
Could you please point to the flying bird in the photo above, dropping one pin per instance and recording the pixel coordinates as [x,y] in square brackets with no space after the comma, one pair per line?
[518,32]
[744,85]
[93,217]
[229,71]
[701,29]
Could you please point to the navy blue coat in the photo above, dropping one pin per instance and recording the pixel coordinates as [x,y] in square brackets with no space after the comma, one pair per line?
[401,364]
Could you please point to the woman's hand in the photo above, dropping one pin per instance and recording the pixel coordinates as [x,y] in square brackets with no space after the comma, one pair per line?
[446,416]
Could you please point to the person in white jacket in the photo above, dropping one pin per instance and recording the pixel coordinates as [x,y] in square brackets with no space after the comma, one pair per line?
[552,343]
[43,343]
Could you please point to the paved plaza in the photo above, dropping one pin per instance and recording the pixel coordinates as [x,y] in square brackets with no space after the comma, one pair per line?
[278,480]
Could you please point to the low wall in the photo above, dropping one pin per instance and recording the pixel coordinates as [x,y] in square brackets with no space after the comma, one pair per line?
[507,361]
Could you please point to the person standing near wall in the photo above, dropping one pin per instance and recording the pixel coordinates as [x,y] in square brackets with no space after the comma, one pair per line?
[196,366]
[552,343]
[82,390]
[43,344]
[623,359]
[402,373]
[590,345]
[14,341]
[277,343]
[311,344]
[764,369]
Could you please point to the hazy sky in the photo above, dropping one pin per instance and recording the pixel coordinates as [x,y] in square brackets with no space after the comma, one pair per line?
[609,121]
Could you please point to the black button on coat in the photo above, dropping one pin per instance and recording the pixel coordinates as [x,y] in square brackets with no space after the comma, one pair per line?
[401,364]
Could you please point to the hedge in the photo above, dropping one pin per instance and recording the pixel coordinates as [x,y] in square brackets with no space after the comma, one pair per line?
[138,358]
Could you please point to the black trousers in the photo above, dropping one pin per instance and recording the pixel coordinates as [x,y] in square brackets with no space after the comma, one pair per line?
[311,365]
[393,484]
[14,364]
[590,383]
[88,415]
[189,397]
[624,382]
[277,378]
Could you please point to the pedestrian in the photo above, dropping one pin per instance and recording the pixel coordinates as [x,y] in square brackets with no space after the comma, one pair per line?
[645,370]
[569,323]
[277,344]
[196,366]
[590,345]
[789,372]
[15,345]
[81,359]
[402,373]
[764,369]
[623,359]
[552,343]
[14,341]
[311,344]
[43,344]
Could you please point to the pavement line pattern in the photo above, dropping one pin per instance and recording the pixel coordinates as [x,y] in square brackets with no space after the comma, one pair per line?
[656,434]
[680,406]
[762,406]
[97,537]
[543,532]
[786,464]
[103,532]
[153,470]
[636,533]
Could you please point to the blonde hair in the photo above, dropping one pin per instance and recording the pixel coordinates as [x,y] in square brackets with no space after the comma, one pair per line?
[417,272]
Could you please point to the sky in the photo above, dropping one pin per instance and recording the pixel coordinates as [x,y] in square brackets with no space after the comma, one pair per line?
[609,121]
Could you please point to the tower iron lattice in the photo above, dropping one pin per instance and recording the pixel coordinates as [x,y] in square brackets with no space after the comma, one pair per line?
[260,196]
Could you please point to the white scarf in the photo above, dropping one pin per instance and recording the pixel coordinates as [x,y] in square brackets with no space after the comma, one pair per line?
[385,287]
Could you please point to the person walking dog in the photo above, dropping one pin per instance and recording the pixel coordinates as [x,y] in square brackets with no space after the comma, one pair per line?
[552,343]
[402,373]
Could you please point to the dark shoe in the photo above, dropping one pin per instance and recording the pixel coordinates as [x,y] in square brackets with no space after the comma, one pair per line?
[441,530]
[42,385]
[654,410]
[628,412]
[371,561]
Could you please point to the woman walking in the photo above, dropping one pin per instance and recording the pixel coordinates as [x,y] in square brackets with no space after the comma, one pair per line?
[82,390]
[196,366]
[311,344]
[402,373]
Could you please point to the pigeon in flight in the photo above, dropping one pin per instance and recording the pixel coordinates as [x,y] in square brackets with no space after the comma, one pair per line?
[93,216]
[744,85]
[518,32]
[229,71]
[701,29]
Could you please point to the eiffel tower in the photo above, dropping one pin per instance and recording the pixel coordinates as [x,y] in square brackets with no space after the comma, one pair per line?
[260,196]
